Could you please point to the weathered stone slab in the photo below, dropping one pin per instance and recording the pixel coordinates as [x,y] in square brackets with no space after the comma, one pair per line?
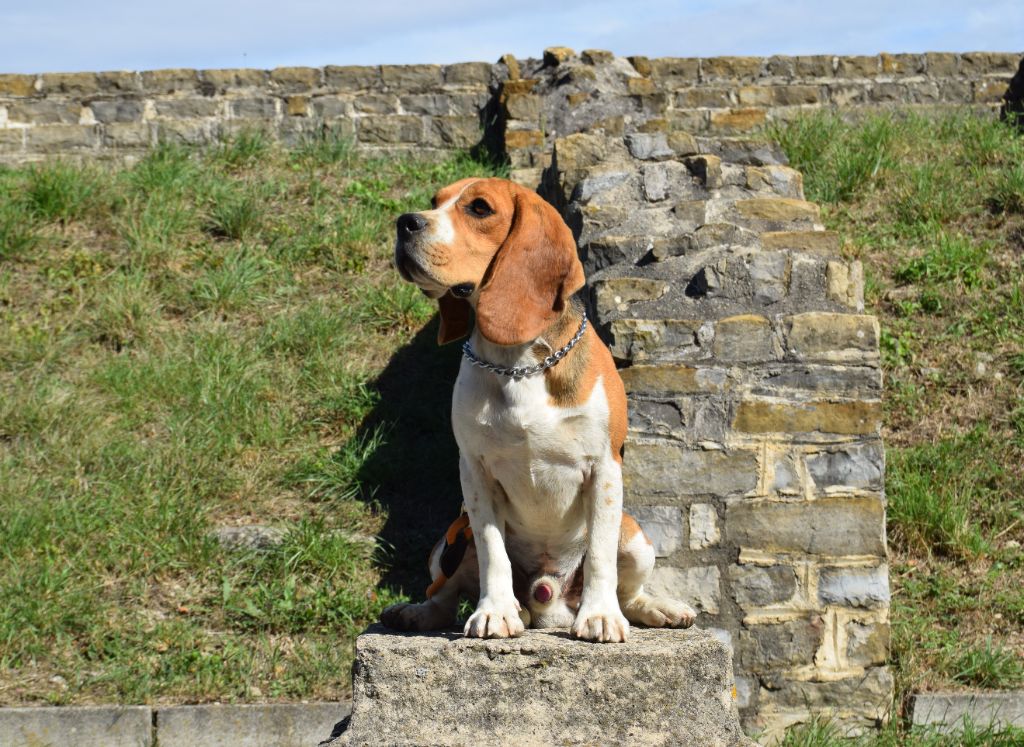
[87,726]
[947,711]
[662,687]
[279,724]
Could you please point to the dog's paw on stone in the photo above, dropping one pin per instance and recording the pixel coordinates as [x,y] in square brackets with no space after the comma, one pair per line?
[601,626]
[495,621]
[660,612]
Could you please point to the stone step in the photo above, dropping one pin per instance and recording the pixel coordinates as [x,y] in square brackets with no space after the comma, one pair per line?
[662,687]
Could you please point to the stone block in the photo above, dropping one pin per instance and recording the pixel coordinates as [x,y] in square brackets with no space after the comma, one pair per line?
[411,78]
[901,64]
[44,111]
[596,56]
[854,586]
[555,56]
[170,81]
[677,70]
[375,103]
[117,110]
[11,140]
[814,242]
[444,689]
[815,66]
[295,79]
[828,526]
[189,108]
[705,98]
[618,293]
[947,712]
[773,646]
[781,66]
[83,726]
[468,74]
[859,66]
[988,91]
[70,83]
[454,132]
[641,86]
[297,106]
[940,64]
[846,283]
[988,63]
[737,121]
[390,130]
[755,586]
[832,337]
[867,643]
[796,95]
[863,700]
[704,531]
[129,135]
[683,143]
[673,472]
[643,339]
[744,338]
[846,381]
[649,146]
[352,77]
[425,103]
[769,276]
[843,418]
[731,68]
[699,587]
[663,526]
[755,96]
[524,139]
[279,724]
[856,466]
[655,182]
[228,78]
[769,210]
[674,379]
[706,168]
[61,138]
[522,106]
[13,84]
[188,131]
[257,107]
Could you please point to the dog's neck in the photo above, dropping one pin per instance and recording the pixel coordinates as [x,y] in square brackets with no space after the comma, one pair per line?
[554,337]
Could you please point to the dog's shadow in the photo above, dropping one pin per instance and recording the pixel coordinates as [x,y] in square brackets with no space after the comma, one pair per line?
[414,473]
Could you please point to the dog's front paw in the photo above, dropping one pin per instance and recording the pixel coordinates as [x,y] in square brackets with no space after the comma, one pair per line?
[495,620]
[659,612]
[606,625]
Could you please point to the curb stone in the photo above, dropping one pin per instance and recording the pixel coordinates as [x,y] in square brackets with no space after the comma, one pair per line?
[948,711]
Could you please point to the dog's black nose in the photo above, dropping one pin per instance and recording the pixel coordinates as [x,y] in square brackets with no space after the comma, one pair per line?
[410,223]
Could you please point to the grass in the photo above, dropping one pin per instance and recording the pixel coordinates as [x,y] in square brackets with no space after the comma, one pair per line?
[934,208]
[199,341]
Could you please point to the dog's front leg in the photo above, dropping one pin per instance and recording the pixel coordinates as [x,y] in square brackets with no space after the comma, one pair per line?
[497,612]
[599,617]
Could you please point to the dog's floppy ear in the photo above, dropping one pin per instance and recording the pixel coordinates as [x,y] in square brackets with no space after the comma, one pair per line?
[532,276]
[454,318]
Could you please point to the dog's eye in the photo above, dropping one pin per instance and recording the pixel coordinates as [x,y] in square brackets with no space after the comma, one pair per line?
[480,208]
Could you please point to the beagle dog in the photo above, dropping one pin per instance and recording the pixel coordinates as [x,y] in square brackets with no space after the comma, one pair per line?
[539,414]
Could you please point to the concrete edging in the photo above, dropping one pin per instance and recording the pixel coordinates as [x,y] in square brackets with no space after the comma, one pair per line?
[281,724]
[947,712]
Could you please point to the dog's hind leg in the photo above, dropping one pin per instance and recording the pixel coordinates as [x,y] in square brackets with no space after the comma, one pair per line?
[635,563]
[454,572]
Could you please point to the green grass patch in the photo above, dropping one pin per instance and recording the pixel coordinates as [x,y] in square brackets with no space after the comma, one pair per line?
[192,342]
[933,209]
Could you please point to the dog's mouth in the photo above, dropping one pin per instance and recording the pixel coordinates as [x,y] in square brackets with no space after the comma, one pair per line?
[411,272]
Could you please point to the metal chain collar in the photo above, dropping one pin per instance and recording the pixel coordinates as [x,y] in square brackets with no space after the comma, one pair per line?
[519,372]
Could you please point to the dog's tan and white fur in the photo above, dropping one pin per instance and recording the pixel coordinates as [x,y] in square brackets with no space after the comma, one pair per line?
[540,456]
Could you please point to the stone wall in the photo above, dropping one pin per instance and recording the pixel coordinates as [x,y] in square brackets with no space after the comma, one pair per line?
[120,114]
[754,460]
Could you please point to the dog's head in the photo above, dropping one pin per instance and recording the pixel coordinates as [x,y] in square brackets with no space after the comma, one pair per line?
[494,245]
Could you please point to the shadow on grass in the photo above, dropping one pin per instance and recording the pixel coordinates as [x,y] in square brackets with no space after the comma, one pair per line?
[414,473]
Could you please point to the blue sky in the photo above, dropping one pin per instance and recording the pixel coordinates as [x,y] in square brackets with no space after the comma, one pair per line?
[69,35]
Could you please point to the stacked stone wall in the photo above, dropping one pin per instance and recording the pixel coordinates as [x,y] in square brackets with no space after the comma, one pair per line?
[754,460]
[440,107]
